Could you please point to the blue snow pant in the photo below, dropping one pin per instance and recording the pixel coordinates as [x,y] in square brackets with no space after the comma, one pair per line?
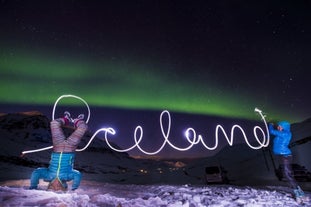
[61,166]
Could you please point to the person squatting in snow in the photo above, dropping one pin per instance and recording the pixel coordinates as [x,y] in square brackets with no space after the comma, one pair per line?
[281,142]
[60,169]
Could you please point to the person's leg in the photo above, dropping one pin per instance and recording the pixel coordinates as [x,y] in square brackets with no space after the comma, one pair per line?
[57,131]
[77,135]
[56,128]
[288,172]
[37,174]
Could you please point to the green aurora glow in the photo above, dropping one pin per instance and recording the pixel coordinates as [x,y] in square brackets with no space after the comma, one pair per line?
[37,79]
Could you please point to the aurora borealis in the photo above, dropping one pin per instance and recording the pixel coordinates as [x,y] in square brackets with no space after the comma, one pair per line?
[40,80]
[210,58]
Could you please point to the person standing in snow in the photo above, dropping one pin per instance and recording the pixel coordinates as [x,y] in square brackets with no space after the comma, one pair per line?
[281,142]
[61,165]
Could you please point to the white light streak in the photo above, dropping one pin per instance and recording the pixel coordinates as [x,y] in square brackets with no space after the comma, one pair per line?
[72,96]
[196,139]
[190,134]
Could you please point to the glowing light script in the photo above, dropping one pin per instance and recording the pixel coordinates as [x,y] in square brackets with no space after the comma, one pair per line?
[192,137]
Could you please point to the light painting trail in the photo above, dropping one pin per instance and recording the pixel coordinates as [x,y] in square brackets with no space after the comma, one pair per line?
[138,136]
[72,96]
[264,143]
[190,134]
[106,130]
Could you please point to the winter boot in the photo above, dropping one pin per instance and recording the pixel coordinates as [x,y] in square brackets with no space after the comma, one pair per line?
[300,195]
[77,120]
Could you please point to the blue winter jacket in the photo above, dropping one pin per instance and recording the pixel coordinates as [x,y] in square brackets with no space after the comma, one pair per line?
[61,163]
[282,138]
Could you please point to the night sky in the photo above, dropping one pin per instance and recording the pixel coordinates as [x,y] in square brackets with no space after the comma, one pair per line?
[219,58]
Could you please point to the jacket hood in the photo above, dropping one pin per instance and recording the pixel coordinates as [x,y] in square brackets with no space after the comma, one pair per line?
[285,125]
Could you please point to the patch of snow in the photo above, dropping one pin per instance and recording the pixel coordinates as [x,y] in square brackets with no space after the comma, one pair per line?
[92,194]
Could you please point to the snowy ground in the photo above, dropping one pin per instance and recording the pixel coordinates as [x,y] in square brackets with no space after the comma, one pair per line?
[15,193]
